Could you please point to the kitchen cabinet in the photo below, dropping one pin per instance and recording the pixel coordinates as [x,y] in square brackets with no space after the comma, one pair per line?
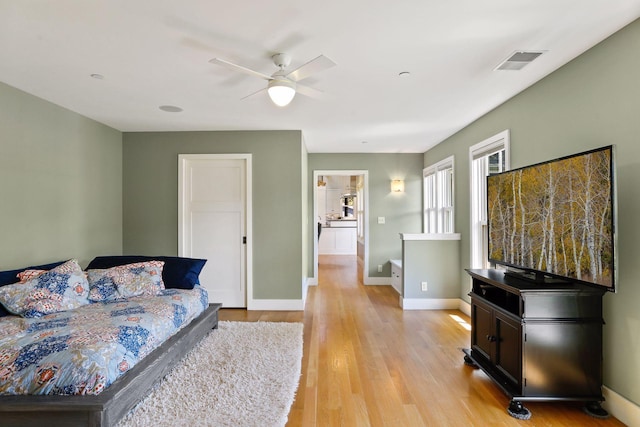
[321,203]
[334,202]
[342,183]
[336,240]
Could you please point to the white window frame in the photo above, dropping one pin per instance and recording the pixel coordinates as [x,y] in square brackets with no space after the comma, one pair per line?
[438,197]
[478,168]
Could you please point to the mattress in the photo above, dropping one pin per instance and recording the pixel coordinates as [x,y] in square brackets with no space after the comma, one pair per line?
[82,351]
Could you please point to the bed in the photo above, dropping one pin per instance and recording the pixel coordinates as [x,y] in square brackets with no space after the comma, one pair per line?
[87,363]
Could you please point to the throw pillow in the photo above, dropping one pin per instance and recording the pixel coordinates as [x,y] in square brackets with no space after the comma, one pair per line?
[125,281]
[62,288]
[10,276]
[178,272]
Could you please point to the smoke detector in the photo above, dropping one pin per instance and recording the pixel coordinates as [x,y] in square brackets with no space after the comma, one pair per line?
[518,60]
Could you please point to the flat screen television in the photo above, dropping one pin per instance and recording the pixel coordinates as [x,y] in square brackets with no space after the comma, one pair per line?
[556,221]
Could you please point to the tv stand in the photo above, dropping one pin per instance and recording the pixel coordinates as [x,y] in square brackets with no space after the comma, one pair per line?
[537,341]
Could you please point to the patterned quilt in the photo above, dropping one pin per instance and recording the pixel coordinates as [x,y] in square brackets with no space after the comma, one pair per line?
[84,350]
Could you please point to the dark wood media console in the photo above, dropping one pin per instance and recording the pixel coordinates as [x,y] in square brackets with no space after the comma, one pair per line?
[537,341]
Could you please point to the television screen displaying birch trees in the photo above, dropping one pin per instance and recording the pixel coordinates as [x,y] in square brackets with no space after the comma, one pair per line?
[555,217]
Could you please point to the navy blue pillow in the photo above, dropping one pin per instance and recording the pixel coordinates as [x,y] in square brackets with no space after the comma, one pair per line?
[178,272]
[11,276]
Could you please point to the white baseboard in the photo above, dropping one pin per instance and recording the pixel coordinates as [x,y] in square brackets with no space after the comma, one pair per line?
[465,307]
[377,281]
[624,410]
[429,304]
[305,290]
[276,305]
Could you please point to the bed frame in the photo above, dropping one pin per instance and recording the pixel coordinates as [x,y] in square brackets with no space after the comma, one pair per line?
[108,407]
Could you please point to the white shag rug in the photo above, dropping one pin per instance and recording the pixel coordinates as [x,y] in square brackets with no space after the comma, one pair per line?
[241,374]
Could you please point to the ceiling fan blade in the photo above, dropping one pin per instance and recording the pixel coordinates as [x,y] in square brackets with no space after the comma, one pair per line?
[308,91]
[314,66]
[240,68]
[254,93]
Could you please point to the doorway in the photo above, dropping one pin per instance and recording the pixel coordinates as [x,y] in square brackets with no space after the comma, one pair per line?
[350,206]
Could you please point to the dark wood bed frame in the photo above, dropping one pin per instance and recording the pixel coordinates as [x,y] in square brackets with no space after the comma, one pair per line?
[108,407]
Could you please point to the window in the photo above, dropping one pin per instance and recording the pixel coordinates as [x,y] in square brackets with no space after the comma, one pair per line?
[487,157]
[438,197]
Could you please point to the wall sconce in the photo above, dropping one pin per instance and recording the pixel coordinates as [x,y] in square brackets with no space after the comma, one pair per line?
[397,186]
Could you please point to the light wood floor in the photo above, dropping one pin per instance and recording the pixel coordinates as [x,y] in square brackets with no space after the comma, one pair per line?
[368,363]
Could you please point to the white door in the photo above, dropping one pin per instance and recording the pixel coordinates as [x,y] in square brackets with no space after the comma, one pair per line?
[212,223]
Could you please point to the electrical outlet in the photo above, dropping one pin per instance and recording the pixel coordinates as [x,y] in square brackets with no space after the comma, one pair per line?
[381,220]
[424,286]
[379,268]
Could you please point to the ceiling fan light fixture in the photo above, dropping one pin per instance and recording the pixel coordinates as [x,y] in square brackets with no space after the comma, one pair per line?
[281,91]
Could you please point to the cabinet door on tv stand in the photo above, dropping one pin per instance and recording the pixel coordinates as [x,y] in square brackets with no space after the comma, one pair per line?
[508,358]
[482,329]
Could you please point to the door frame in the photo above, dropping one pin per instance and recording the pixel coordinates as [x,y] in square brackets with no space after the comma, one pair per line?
[182,158]
[365,191]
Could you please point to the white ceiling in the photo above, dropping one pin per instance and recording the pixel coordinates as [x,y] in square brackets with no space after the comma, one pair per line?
[156,52]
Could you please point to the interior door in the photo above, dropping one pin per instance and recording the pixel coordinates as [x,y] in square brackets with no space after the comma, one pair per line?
[212,223]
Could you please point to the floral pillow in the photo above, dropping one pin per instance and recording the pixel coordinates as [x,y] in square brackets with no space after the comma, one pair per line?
[64,287]
[125,281]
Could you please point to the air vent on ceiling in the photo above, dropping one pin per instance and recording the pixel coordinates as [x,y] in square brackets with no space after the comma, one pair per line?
[518,60]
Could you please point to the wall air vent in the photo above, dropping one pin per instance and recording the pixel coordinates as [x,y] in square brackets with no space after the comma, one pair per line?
[518,60]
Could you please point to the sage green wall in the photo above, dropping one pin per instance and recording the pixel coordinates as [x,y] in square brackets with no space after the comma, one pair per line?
[150,199]
[60,183]
[402,212]
[591,102]
[434,261]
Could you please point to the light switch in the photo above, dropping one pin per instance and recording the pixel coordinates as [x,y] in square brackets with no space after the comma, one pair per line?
[380,220]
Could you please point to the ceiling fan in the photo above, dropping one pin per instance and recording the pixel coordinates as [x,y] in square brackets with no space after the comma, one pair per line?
[283,85]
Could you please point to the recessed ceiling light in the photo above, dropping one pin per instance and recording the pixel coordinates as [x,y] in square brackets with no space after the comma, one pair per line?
[170,108]
[97,76]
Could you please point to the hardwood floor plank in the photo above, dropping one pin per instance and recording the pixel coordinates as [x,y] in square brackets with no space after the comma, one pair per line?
[366,362]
